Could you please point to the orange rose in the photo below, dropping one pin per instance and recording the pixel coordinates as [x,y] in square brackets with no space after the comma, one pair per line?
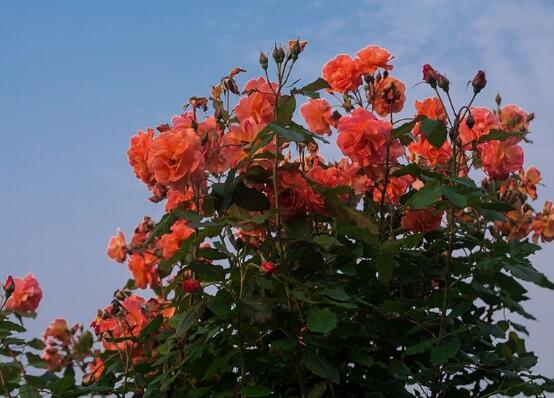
[396,187]
[431,108]
[317,114]
[259,104]
[175,156]
[363,138]
[237,141]
[529,181]
[513,118]
[117,247]
[96,369]
[342,73]
[144,269]
[26,296]
[543,225]
[422,152]
[500,158]
[389,96]
[296,196]
[485,120]
[424,220]
[373,57]
[170,243]
[211,136]
[138,155]
[58,330]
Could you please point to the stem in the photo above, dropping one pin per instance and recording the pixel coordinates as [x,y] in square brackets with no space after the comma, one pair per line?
[3,381]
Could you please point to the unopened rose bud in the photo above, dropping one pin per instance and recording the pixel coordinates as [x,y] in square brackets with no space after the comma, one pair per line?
[479,82]
[369,79]
[294,49]
[264,62]
[385,74]
[443,82]
[9,286]
[191,285]
[430,75]
[278,54]
[268,267]
[530,117]
[378,77]
[470,121]
[498,99]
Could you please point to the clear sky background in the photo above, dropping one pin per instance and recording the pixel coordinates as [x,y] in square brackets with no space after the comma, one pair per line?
[77,79]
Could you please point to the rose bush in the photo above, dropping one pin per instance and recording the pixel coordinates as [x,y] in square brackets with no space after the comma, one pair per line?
[276,272]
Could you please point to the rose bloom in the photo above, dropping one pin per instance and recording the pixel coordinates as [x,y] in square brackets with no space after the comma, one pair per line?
[237,141]
[170,243]
[317,114]
[144,269]
[363,138]
[26,296]
[485,120]
[191,285]
[296,196]
[396,187]
[58,330]
[529,181]
[184,121]
[259,104]
[114,326]
[211,136]
[389,96]
[54,360]
[176,197]
[372,57]
[96,369]
[359,182]
[517,225]
[543,224]
[423,152]
[514,119]
[342,73]
[253,236]
[141,232]
[117,247]
[138,155]
[500,158]
[431,108]
[175,156]
[423,220]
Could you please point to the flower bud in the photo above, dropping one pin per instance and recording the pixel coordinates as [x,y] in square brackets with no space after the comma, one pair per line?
[369,79]
[385,74]
[120,295]
[430,75]
[470,121]
[264,62]
[278,54]
[479,82]
[9,286]
[378,77]
[443,82]
[191,285]
[268,267]
[498,99]
[530,117]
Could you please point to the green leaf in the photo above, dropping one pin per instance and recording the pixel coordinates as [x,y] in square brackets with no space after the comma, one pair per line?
[499,135]
[10,326]
[290,134]
[256,391]
[62,385]
[249,198]
[443,353]
[312,88]
[434,130]
[255,309]
[319,366]
[385,267]
[322,321]
[220,307]
[528,273]
[362,358]
[286,108]
[402,132]
[184,321]
[318,390]
[454,197]
[208,272]
[151,327]
[421,346]
[27,391]
[426,197]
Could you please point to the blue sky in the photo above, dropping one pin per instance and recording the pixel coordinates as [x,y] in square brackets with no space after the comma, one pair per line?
[79,78]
